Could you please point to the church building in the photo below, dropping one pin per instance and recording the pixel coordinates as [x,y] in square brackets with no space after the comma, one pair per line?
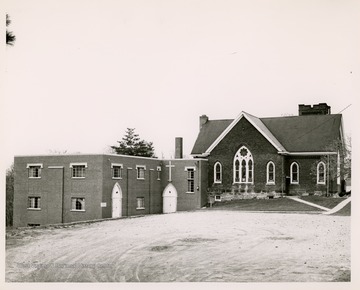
[250,156]
[245,157]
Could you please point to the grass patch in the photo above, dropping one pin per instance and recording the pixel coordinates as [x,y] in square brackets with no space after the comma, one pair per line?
[278,204]
[345,211]
[329,202]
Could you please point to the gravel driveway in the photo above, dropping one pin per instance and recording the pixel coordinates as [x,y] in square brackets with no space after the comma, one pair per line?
[201,246]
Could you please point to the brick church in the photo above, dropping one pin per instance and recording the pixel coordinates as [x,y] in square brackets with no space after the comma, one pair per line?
[245,157]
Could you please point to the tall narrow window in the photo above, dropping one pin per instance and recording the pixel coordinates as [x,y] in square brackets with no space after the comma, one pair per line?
[270,173]
[140,171]
[321,173]
[190,179]
[250,168]
[78,204]
[294,173]
[217,173]
[237,171]
[243,166]
[34,203]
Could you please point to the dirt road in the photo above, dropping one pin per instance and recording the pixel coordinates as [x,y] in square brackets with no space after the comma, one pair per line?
[204,246]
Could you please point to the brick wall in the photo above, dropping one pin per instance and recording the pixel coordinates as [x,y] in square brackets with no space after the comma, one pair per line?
[244,134]
[56,187]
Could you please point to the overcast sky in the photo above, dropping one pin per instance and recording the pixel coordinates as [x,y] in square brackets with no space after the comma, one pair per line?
[83,71]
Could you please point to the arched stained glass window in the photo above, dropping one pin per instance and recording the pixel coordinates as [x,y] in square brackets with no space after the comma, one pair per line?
[243,166]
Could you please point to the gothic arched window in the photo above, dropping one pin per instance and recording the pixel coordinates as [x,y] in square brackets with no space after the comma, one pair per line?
[321,173]
[294,173]
[270,173]
[217,172]
[243,166]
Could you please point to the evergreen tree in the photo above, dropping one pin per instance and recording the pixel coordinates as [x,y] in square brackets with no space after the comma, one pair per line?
[10,37]
[132,145]
[9,195]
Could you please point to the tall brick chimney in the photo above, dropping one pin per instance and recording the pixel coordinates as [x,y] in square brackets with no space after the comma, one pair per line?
[178,148]
[203,120]
[319,109]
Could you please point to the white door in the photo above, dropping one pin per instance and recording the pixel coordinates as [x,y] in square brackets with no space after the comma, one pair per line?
[169,199]
[116,200]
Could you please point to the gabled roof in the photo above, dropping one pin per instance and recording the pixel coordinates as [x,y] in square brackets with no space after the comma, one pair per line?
[310,133]
[209,132]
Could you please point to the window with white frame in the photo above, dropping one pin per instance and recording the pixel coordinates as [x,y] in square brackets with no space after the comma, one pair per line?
[34,202]
[217,172]
[140,203]
[294,173]
[78,170]
[34,170]
[270,173]
[140,171]
[190,179]
[78,204]
[117,170]
[158,170]
[243,166]
[321,173]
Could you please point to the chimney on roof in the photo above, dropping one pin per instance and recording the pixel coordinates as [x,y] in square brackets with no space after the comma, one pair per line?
[319,109]
[203,120]
[178,148]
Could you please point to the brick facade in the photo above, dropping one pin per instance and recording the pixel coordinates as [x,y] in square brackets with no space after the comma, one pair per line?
[56,187]
[245,134]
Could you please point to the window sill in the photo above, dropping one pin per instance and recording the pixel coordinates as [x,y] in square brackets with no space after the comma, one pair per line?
[190,192]
[270,183]
[321,183]
[33,177]
[77,210]
[73,177]
[117,178]
[30,208]
[296,183]
[248,183]
[141,208]
[217,182]
[140,178]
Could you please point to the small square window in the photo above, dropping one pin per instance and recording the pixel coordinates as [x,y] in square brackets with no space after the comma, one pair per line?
[140,203]
[78,171]
[34,170]
[217,197]
[78,204]
[140,171]
[117,170]
[34,202]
